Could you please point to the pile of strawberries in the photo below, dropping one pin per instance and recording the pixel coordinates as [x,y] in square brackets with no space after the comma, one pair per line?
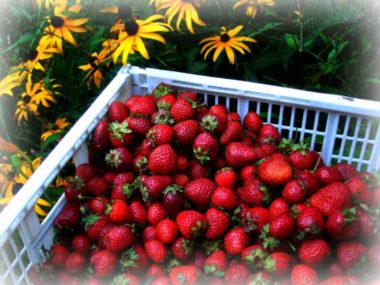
[179,193]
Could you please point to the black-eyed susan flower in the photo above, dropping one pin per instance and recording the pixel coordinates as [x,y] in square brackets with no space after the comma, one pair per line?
[61,27]
[59,125]
[251,6]
[184,10]
[227,41]
[9,82]
[94,74]
[34,95]
[132,33]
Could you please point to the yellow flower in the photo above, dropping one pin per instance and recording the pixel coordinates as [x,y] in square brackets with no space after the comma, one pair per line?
[252,5]
[227,41]
[184,9]
[94,74]
[132,33]
[9,82]
[60,5]
[60,182]
[38,209]
[35,95]
[26,170]
[61,27]
[61,124]
[6,191]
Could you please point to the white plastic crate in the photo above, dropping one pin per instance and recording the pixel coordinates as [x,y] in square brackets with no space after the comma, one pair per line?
[342,129]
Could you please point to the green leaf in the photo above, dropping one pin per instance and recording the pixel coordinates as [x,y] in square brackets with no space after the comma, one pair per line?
[197,67]
[264,29]
[51,139]
[292,40]
[373,80]
[22,39]
[16,162]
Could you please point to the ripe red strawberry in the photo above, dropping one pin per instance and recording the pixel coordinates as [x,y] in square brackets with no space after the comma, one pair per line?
[294,192]
[233,117]
[205,147]
[216,263]
[183,110]
[233,132]
[126,278]
[191,224]
[85,171]
[350,253]
[162,160]
[328,175]
[97,186]
[254,256]
[269,134]
[144,106]
[310,221]
[182,248]
[182,163]
[314,252]
[153,186]
[134,260]
[104,262]
[123,178]
[138,212]
[218,109]
[160,134]
[252,121]
[81,243]
[255,218]
[74,188]
[310,181]
[282,227]
[167,231]
[236,240]
[165,102]
[174,200]
[367,223]
[119,238]
[277,207]
[117,111]
[139,125]
[154,270]
[109,176]
[225,177]
[275,170]
[185,275]
[100,140]
[188,95]
[279,263]
[218,222]
[247,172]
[346,170]
[239,154]
[236,273]
[186,131]
[343,225]
[161,280]
[198,192]
[359,190]
[94,224]
[75,262]
[69,217]
[253,192]
[303,274]
[156,213]
[331,198]
[225,198]
[181,179]
[120,134]
[156,250]
[59,254]
[131,101]
[214,123]
[119,159]
[149,233]
[302,159]
[118,212]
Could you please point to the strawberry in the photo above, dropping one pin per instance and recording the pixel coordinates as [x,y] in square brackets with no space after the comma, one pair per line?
[368,225]
[233,132]
[138,212]
[191,224]
[279,263]
[218,222]
[131,101]
[350,253]
[118,212]
[109,176]
[124,178]
[359,190]
[181,179]
[236,240]
[269,134]
[225,177]
[119,238]
[253,192]
[216,263]
[255,218]
[94,281]
[117,111]
[154,185]
[139,125]
[233,117]
[120,134]
[334,269]
[100,140]
[262,278]
[252,121]
[85,171]
[218,109]
[247,172]
[340,280]
[97,186]
[225,198]
[126,278]
[160,134]
[119,159]
[74,189]
[162,160]
[294,192]
[281,227]
[198,192]
[69,217]
[134,259]
[144,106]
[346,170]
[154,270]
[156,250]
[197,170]
[314,252]
[303,274]
[183,110]
[239,154]
[254,256]
[165,102]
[104,262]
[188,95]
[145,148]
[156,213]
[174,199]
[149,233]
[264,150]
[75,262]
[186,131]
[182,163]
[236,273]
[162,90]
[302,159]
[167,231]
[59,254]
[309,180]
[310,221]
[343,225]
[182,248]
[161,280]
[277,207]
[205,147]
[214,123]
[275,170]
[81,243]
[331,198]
[184,275]
[94,224]
[328,175]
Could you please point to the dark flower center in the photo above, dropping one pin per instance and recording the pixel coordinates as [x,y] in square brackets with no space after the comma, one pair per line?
[93,61]
[224,38]
[57,22]
[125,11]
[32,55]
[131,27]
[26,99]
